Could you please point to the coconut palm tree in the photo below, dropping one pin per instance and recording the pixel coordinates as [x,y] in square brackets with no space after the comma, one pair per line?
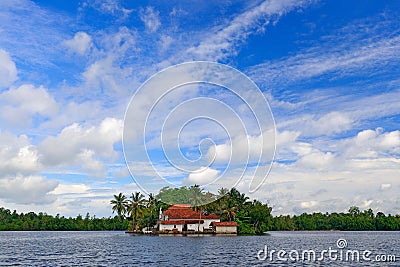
[119,205]
[151,202]
[222,192]
[151,205]
[135,207]
[236,199]
[196,196]
[230,213]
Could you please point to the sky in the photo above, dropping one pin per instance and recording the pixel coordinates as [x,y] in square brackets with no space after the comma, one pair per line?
[329,71]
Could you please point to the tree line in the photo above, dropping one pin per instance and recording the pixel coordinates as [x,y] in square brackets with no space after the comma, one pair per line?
[353,220]
[13,221]
[253,217]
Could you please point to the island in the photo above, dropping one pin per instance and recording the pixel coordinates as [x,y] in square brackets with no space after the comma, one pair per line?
[230,212]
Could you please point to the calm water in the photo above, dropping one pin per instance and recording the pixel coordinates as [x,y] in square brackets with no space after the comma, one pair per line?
[120,249]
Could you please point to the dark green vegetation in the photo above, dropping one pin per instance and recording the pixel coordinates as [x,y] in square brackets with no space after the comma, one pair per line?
[12,221]
[253,217]
[353,220]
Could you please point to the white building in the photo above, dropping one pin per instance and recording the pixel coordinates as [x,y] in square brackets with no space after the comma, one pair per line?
[224,227]
[181,217]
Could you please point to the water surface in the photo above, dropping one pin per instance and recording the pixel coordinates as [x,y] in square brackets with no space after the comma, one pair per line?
[120,249]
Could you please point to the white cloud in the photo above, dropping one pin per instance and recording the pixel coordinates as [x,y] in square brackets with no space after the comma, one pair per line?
[317,160]
[345,53]
[17,156]
[8,70]
[331,123]
[28,190]
[150,18]
[85,146]
[224,39]
[372,144]
[242,148]
[202,176]
[308,204]
[385,186]
[70,189]
[80,44]
[112,7]
[165,42]
[19,105]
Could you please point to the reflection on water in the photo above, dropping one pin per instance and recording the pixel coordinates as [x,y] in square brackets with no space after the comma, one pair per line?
[118,248]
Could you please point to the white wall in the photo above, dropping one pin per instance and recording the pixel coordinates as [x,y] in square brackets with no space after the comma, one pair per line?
[164,227]
[226,229]
[193,226]
[207,223]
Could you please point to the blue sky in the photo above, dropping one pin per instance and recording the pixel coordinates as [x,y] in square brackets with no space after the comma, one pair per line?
[329,70]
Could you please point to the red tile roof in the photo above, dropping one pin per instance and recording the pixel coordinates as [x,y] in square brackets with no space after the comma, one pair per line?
[173,222]
[184,212]
[180,206]
[211,216]
[181,222]
[224,223]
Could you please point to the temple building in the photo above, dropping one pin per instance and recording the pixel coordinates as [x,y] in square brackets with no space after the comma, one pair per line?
[181,218]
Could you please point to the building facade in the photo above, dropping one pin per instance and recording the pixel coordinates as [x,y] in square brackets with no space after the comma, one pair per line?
[181,217]
[224,227]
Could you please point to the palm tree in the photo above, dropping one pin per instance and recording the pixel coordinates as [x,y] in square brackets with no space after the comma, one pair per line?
[222,192]
[230,212]
[119,205]
[135,207]
[151,205]
[151,202]
[236,199]
[196,196]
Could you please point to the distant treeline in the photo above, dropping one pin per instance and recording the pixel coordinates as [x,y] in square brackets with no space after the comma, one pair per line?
[353,220]
[12,221]
[252,216]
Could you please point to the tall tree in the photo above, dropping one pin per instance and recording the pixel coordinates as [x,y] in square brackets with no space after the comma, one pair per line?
[119,205]
[135,206]
[196,196]
[230,213]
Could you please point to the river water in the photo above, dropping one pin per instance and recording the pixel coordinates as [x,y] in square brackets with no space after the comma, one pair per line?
[120,249]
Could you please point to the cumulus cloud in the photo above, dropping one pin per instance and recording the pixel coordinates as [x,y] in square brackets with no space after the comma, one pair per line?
[372,144]
[385,187]
[331,123]
[20,104]
[317,160]
[249,147]
[323,169]
[202,176]
[308,204]
[28,190]
[8,70]
[80,44]
[17,155]
[150,18]
[77,144]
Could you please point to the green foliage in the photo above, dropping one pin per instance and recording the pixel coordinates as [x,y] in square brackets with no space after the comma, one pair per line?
[354,220]
[253,217]
[41,222]
[193,195]
[245,228]
[135,208]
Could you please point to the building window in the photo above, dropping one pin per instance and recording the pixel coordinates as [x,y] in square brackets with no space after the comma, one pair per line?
[174,225]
